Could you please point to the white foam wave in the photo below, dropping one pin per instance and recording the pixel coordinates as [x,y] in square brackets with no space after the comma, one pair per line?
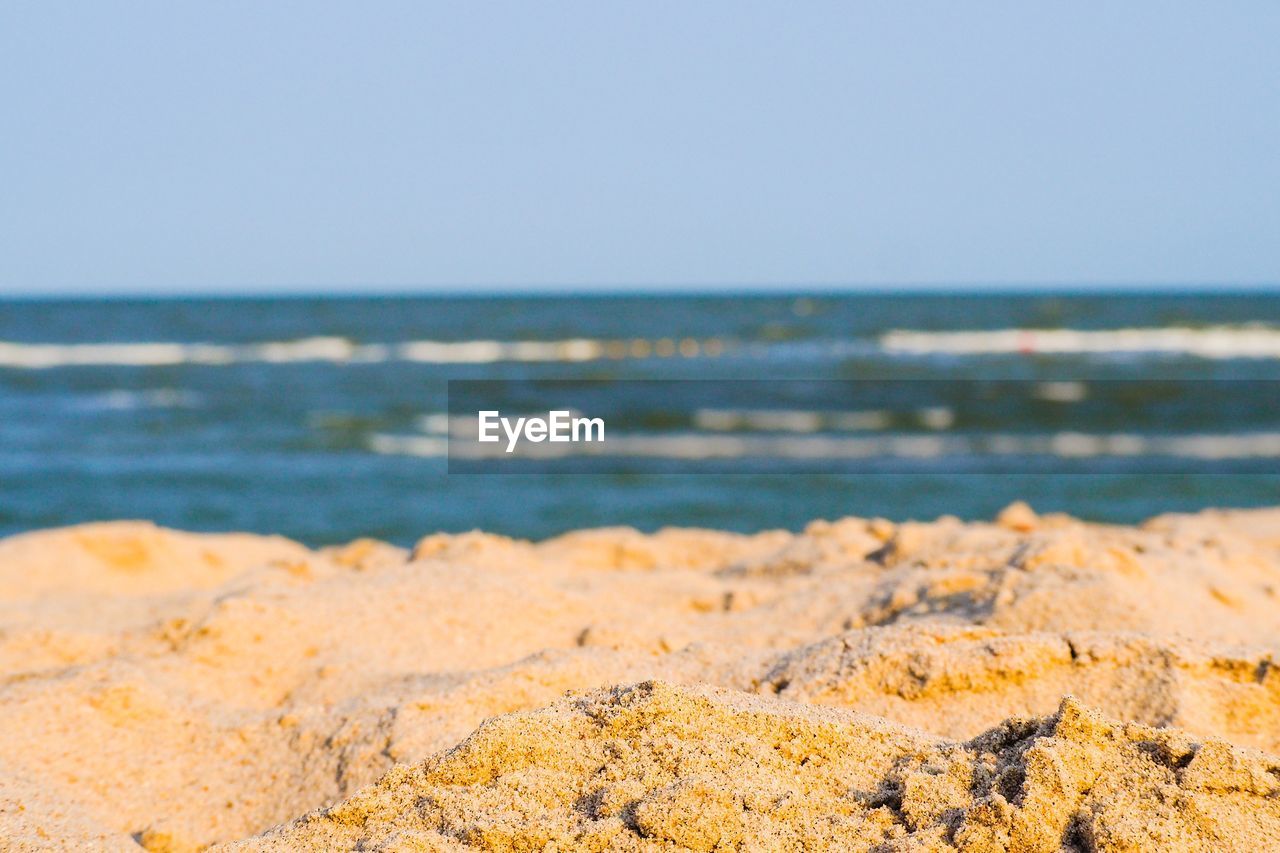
[158,398]
[1212,342]
[340,350]
[425,446]
[1215,342]
[148,354]
[703,446]
[813,421]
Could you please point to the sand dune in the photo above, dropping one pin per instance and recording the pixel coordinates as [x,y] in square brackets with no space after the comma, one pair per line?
[1033,683]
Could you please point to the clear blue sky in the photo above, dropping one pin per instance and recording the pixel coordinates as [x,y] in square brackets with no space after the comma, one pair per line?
[226,146]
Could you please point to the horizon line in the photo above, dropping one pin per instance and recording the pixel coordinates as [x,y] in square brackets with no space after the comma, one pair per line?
[535,291]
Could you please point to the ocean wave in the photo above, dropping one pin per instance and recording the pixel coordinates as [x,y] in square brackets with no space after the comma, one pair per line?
[157,398]
[1210,342]
[338,350]
[813,421]
[159,354]
[1204,447]
[425,446]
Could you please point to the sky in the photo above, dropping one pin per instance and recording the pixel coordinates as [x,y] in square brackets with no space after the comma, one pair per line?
[223,147]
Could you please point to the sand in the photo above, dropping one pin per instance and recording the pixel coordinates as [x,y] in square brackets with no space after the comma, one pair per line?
[1032,683]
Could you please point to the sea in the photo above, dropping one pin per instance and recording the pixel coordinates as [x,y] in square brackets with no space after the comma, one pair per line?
[327,419]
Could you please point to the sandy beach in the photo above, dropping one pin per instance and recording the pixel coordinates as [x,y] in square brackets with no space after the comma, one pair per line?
[1029,683]
[435,427]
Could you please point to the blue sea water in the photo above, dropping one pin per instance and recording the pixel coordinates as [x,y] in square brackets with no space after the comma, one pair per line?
[319,418]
